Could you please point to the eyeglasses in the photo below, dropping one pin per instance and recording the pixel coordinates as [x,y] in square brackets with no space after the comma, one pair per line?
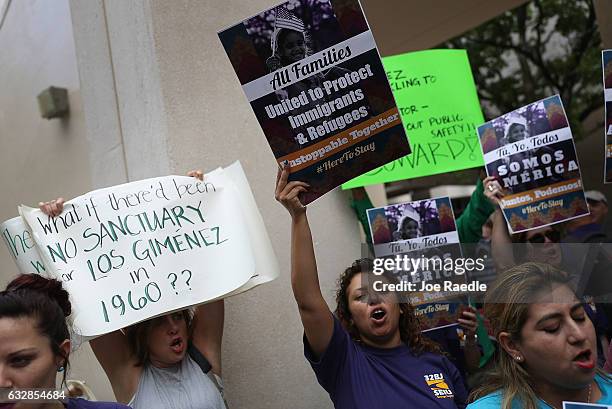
[552,235]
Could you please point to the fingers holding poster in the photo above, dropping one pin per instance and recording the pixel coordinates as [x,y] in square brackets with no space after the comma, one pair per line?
[318,89]
[532,154]
[134,251]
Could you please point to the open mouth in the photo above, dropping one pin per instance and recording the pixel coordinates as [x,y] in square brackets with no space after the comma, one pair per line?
[177,345]
[378,314]
[585,359]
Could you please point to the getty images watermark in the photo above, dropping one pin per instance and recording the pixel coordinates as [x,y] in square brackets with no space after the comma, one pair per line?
[430,274]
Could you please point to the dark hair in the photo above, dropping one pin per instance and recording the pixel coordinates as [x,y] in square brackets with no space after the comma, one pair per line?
[409,323]
[514,125]
[138,336]
[281,36]
[44,299]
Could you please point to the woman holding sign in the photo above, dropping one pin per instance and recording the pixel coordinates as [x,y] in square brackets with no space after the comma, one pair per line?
[548,349]
[35,344]
[371,355]
[172,361]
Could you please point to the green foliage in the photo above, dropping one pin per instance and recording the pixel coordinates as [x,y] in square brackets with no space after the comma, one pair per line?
[539,49]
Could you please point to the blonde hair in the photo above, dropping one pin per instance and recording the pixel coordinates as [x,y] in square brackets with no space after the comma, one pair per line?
[507,306]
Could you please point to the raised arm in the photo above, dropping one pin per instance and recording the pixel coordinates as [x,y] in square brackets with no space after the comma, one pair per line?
[471,350]
[501,243]
[115,356]
[111,350]
[314,312]
[208,321]
[208,332]
[475,214]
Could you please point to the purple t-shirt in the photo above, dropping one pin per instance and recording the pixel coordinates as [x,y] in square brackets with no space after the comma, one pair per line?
[357,376]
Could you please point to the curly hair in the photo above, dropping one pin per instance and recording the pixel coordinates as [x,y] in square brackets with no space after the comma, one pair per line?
[409,323]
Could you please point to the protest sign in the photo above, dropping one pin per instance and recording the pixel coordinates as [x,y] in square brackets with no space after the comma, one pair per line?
[20,244]
[314,79]
[421,238]
[439,106]
[606,59]
[412,226]
[581,405]
[266,265]
[134,251]
[532,154]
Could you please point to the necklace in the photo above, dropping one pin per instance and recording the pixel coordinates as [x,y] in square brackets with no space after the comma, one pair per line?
[588,398]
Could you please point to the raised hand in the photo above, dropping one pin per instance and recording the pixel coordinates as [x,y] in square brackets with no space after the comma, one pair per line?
[468,321]
[196,173]
[493,190]
[52,208]
[287,192]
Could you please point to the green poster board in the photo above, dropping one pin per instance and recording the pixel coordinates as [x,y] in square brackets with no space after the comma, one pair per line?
[436,95]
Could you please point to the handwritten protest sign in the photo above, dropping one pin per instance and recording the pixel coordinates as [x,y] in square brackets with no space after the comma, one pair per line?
[531,151]
[20,244]
[266,265]
[314,79]
[421,237]
[606,58]
[138,250]
[439,106]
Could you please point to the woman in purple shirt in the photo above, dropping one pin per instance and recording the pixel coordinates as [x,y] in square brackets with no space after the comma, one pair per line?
[371,354]
[35,341]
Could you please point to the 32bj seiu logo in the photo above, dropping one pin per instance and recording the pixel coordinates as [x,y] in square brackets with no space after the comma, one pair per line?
[438,386]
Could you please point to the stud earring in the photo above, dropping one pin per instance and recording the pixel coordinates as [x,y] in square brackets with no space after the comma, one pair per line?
[519,358]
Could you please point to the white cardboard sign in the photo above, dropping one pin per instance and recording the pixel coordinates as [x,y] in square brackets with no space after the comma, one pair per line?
[134,251]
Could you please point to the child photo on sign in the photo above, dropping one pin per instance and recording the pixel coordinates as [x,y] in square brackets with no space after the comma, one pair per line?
[315,81]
